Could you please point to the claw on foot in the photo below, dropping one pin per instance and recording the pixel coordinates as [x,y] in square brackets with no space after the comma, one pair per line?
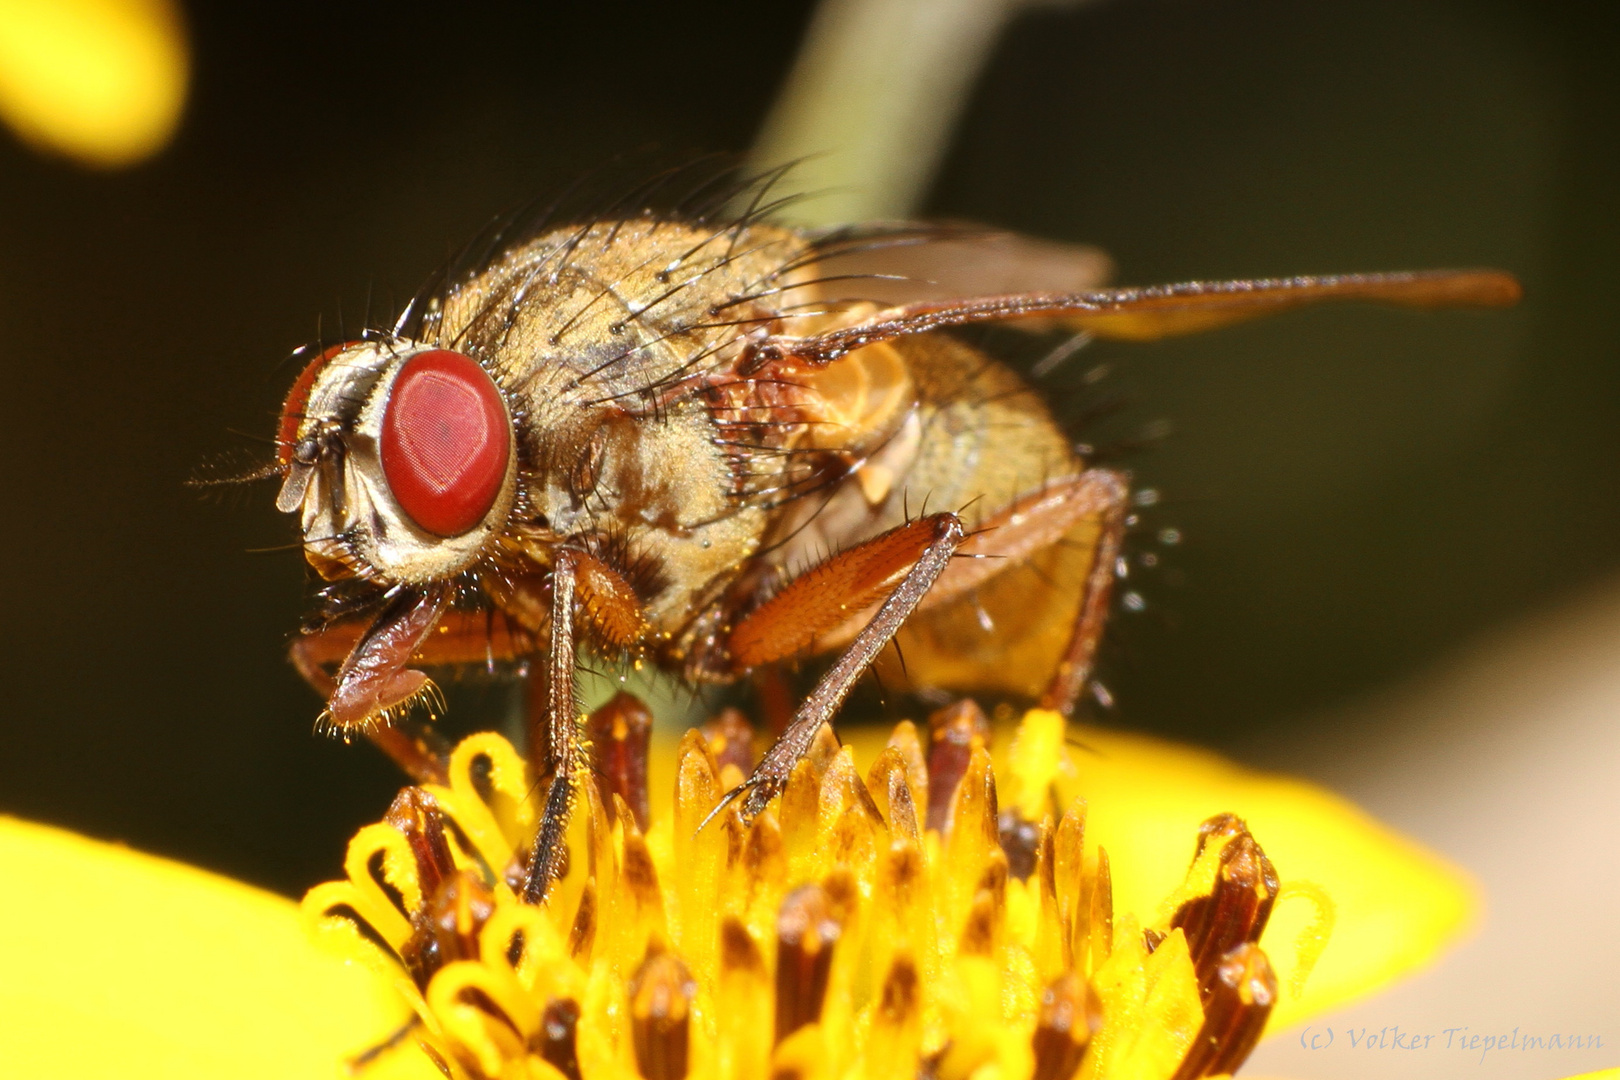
[756,794]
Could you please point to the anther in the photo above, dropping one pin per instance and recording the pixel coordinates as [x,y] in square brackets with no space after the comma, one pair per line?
[806,934]
[620,734]
[554,1040]
[1021,841]
[416,815]
[661,996]
[446,927]
[1070,1014]
[1239,902]
[1235,1011]
[951,732]
[731,740]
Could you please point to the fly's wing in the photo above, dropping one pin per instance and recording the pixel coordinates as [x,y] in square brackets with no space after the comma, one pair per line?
[1147,314]
[1168,310]
[908,264]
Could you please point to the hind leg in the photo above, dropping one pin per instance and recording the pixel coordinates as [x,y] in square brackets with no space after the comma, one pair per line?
[895,571]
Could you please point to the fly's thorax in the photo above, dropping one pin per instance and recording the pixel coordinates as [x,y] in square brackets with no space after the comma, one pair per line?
[402,463]
[625,309]
[659,487]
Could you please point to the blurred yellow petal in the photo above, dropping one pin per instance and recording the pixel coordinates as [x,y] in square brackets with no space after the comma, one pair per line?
[102,81]
[1396,905]
[118,964]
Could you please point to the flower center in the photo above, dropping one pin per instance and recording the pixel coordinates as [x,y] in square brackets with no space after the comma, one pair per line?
[920,920]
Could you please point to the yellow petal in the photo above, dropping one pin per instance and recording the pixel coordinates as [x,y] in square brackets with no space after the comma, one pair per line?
[1397,904]
[102,81]
[119,964]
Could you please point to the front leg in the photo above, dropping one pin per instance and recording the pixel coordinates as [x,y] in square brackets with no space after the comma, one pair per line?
[324,656]
[820,601]
[374,686]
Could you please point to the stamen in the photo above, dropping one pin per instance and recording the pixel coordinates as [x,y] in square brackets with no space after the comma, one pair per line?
[806,934]
[446,928]
[555,1039]
[1238,905]
[1020,839]
[731,742]
[415,814]
[952,732]
[744,1003]
[620,733]
[1070,1014]
[896,1035]
[1241,998]
[661,996]
[892,792]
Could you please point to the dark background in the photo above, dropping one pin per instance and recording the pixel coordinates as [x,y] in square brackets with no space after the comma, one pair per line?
[1360,491]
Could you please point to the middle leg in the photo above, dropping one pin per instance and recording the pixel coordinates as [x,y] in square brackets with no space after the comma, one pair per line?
[559,728]
[585,585]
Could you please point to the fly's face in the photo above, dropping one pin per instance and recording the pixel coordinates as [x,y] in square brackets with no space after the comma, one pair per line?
[401,461]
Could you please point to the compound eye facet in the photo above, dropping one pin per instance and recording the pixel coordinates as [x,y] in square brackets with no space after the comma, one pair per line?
[446,442]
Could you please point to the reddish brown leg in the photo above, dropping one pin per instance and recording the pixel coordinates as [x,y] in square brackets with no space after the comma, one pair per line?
[1080,657]
[374,680]
[1036,521]
[836,597]
[584,584]
[374,687]
[459,637]
[822,599]
[410,742]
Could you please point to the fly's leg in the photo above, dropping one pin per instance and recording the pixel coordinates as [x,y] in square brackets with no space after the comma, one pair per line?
[897,568]
[374,684]
[458,637]
[557,730]
[580,584]
[1011,535]
[1078,660]
[1093,505]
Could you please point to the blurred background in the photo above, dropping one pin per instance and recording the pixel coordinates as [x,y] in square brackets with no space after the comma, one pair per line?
[1367,500]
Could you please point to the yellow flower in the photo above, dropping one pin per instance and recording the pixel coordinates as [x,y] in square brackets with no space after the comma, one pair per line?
[925,907]
[102,81]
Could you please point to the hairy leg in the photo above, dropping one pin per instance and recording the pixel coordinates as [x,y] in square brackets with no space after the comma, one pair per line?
[916,553]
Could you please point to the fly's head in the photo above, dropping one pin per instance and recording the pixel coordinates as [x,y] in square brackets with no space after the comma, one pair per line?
[400,460]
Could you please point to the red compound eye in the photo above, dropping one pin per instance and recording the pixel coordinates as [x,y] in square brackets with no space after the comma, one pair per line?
[445,441]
